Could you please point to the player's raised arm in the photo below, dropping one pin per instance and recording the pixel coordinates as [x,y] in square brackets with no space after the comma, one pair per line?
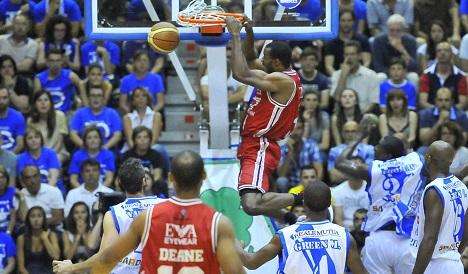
[354,258]
[249,46]
[265,254]
[225,249]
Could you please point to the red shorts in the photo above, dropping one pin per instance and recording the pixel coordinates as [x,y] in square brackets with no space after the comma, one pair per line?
[258,157]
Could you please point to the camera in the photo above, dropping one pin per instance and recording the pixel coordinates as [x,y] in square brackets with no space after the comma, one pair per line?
[106,200]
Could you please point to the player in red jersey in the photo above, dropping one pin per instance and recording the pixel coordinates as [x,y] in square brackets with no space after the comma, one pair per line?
[180,235]
[270,117]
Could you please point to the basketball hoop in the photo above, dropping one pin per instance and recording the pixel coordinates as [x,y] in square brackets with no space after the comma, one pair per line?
[211,19]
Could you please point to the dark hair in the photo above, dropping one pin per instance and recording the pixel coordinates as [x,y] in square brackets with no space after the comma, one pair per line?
[454,129]
[95,66]
[139,53]
[131,175]
[90,129]
[55,51]
[89,162]
[5,174]
[340,113]
[32,166]
[360,211]
[354,44]
[396,94]
[6,57]
[431,44]
[397,61]
[27,223]
[282,51]
[29,131]
[318,112]
[393,146]
[89,87]
[140,129]
[35,115]
[307,167]
[50,25]
[188,169]
[345,11]
[146,93]
[70,221]
[310,52]
[317,196]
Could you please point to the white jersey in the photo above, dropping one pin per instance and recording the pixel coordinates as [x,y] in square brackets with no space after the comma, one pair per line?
[394,192]
[313,247]
[123,215]
[454,197]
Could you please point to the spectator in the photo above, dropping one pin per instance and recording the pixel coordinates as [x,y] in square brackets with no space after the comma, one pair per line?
[431,118]
[308,175]
[378,12]
[313,80]
[60,82]
[92,148]
[427,51]
[142,77]
[51,123]
[151,159]
[86,192]
[350,134]
[298,210]
[334,50]
[347,110]
[38,246]
[8,204]
[310,10]
[58,35]
[464,14]
[426,11]
[95,78]
[397,80]
[47,9]
[359,11]
[398,119]
[105,118]
[45,196]
[18,86]
[12,124]
[44,158]
[353,75]
[18,45]
[349,196]
[130,48]
[464,53]
[452,133]
[443,73]
[316,121]
[104,53]
[7,253]
[358,234]
[8,161]
[9,9]
[395,43]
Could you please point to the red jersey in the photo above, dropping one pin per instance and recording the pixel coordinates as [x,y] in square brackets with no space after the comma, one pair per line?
[180,237]
[270,119]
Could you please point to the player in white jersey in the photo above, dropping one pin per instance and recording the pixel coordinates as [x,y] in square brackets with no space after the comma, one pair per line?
[314,245]
[439,233]
[394,186]
[117,220]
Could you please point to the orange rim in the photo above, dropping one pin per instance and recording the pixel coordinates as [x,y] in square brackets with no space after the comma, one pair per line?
[207,21]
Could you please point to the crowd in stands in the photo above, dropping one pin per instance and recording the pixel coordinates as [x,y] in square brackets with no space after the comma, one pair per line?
[72,109]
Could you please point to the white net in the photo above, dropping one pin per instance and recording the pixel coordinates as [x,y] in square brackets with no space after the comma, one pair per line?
[198,13]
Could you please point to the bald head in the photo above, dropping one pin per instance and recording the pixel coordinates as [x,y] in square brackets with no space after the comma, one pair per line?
[187,170]
[350,131]
[439,157]
[317,196]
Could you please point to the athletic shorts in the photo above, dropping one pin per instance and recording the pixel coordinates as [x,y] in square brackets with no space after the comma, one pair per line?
[258,158]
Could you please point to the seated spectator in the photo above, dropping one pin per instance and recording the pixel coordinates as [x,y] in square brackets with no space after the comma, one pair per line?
[104,53]
[398,120]
[9,9]
[353,75]
[153,188]
[95,78]
[316,121]
[358,234]
[92,148]
[334,50]
[19,46]
[464,53]
[130,48]
[44,158]
[308,175]
[349,196]
[395,43]
[397,80]
[8,161]
[87,191]
[7,203]
[347,109]
[45,196]
[359,11]
[142,77]
[312,79]
[427,51]
[58,35]
[46,9]
[452,133]
[60,82]
[464,14]
[431,118]
[38,246]
[76,238]
[364,151]
[105,118]
[295,155]
[378,12]
[443,73]
[18,86]
[12,124]
[151,159]
[50,122]
[7,253]
[298,210]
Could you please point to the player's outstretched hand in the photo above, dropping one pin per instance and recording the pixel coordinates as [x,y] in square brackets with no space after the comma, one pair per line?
[233,25]
[62,266]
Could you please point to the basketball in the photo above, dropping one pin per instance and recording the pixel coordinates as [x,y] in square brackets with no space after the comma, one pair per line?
[163,37]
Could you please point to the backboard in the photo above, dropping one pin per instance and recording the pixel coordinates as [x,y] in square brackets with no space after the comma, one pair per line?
[273,19]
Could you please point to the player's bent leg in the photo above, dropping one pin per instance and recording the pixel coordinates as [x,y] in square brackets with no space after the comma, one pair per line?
[438,266]
[256,203]
[375,255]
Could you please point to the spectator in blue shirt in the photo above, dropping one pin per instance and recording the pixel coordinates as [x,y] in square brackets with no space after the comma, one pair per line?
[309,10]
[141,77]
[7,253]
[105,53]
[10,8]
[360,12]
[397,74]
[12,124]
[106,119]
[130,48]
[8,203]
[92,148]
[45,9]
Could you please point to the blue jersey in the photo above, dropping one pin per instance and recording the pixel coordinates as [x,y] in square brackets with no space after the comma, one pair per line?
[8,10]
[61,88]
[408,88]
[105,158]
[313,247]
[464,7]
[11,126]
[90,56]
[152,82]
[364,151]
[46,161]
[108,121]
[7,249]
[67,8]
[6,205]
